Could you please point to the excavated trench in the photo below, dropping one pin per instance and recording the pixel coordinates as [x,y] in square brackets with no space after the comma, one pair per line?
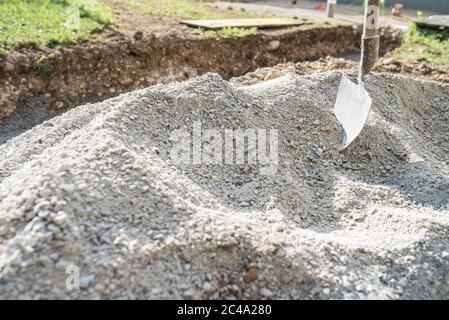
[36,85]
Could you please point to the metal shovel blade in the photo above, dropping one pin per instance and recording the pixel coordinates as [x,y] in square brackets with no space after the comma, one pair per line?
[351,109]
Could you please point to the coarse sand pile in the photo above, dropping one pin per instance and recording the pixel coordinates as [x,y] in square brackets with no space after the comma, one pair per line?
[96,188]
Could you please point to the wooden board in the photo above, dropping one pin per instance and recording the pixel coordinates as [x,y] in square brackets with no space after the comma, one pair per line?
[434,22]
[242,23]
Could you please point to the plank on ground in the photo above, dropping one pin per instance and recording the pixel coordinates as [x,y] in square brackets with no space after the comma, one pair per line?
[242,23]
[434,21]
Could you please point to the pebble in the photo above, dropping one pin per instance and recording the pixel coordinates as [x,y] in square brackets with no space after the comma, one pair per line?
[85,281]
[3,231]
[59,104]
[43,214]
[360,287]
[266,292]
[209,288]
[189,294]
[250,276]
[273,45]
[244,204]
[60,218]
[8,67]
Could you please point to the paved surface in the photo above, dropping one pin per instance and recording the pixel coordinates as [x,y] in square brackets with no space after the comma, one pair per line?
[305,10]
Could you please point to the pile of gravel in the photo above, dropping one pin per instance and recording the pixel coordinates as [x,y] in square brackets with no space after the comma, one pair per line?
[96,189]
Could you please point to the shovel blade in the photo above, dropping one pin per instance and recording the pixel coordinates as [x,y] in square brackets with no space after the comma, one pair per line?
[351,109]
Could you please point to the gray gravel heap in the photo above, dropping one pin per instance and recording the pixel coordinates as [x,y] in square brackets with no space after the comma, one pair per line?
[96,188]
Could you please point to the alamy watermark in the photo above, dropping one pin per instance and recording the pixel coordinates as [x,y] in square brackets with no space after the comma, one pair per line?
[73,19]
[72,281]
[226,147]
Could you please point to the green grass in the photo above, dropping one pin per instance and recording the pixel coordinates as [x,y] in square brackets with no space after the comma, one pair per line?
[189,9]
[186,9]
[230,32]
[430,45]
[324,25]
[49,22]
[45,64]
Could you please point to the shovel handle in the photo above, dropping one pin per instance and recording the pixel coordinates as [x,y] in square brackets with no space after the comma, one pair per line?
[370,37]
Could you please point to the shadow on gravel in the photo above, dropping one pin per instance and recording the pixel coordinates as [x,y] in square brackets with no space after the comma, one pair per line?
[26,117]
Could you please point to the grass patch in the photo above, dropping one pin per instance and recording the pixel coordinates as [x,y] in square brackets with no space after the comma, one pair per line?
[430,45]
[324,25]
[187,9]
[233,32]
[49,22]
[230,32]
[45,64]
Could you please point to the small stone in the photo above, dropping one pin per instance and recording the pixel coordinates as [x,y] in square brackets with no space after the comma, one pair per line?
[189,294]
[126,81]
[266,292]
[138,35]
[43,214]
[188,253]
[286,278]
[209,288]
[85,281]
[3,231]
[54,256]
[36,85]
[403,282]
[250,276]
[279,228]
[62,265]
[8,67]
[273,45]
[60,218]
[59,104]
[42,205]
[272,75]
[100,288]
[360,287]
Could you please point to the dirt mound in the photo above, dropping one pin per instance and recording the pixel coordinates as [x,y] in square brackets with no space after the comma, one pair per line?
[416,69]
[301,68]
[98,190]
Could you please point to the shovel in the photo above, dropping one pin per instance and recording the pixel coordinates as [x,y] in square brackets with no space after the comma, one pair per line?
[353,101]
